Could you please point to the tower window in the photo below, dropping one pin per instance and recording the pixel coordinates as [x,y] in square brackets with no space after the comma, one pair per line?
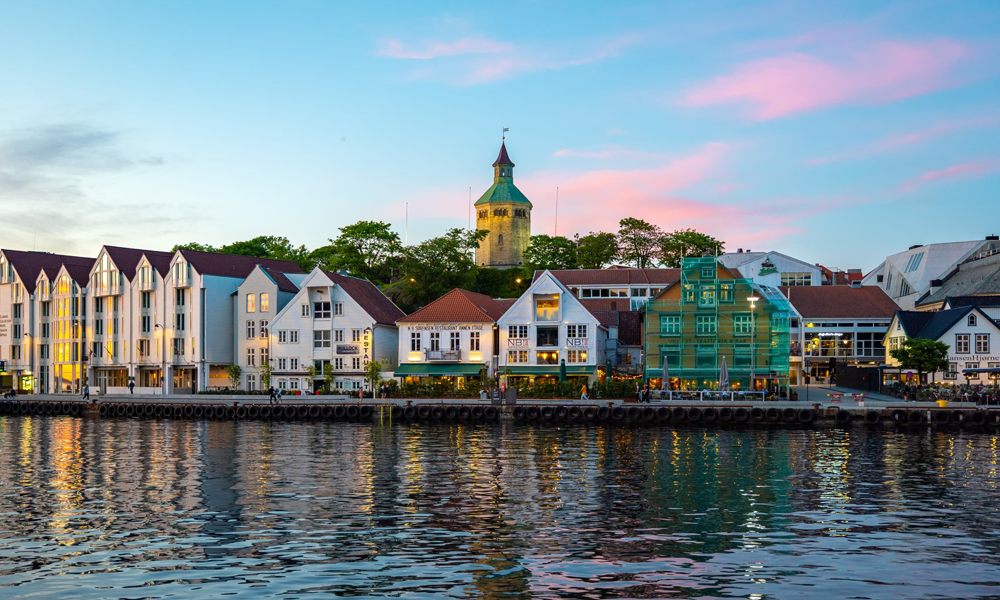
[500,240]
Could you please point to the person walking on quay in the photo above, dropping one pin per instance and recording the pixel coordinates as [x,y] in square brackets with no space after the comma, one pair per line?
[271,396]
[646,394]
[583,393]
[131,387]
[277,396]
[86,393]
[638,393]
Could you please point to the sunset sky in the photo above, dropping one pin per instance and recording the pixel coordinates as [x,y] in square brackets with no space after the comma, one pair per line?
[836,132]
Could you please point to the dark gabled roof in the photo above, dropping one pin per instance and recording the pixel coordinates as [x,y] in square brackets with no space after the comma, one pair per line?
[371,299]
[79,273]
[460,306]
[624,277]
[502,158]
[127,259]
[837,302]
[933,325]
[284,284]
[234,265]
[29,264]
[980,301]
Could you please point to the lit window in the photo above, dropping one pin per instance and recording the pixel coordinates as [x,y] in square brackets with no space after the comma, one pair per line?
[251,303]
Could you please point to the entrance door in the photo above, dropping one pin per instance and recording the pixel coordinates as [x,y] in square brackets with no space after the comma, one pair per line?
[183,381]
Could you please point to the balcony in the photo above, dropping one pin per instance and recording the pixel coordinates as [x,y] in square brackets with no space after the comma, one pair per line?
[147,285]
[443,355]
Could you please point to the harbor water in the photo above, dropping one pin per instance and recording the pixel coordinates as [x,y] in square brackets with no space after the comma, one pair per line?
[96,508]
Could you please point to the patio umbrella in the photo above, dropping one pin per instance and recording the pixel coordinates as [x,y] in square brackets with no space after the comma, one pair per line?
[665,386]
[723,376]
[562,370]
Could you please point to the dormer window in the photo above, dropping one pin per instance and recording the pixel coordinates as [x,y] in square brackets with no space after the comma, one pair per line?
[972,320]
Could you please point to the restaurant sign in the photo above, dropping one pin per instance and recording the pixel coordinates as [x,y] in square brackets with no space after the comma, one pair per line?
[348,349]
[518,343]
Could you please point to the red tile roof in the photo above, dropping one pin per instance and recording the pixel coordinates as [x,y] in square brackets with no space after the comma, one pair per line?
[461,306]
[606,304]
[29,264]
[840,302]
[371,299]
[234,265]
[623,277]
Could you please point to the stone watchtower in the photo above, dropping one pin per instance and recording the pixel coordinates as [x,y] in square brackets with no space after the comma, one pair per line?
[506,213]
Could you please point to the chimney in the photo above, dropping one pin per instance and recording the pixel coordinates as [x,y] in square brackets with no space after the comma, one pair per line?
[935,285]
[914,246]
[856,283]
[739,251]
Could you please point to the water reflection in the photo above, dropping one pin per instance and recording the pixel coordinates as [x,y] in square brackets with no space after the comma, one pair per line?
[157,509]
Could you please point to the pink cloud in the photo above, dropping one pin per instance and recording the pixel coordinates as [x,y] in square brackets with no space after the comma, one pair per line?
[432,49]
[798,82]
[958,171]
[609,152]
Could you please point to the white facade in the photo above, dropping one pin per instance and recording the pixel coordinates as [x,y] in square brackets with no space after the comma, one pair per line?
[15,321]
[324,325]
[773,269]
[546,326]
[257,301]
[973,343]
[468,344]
[905,276]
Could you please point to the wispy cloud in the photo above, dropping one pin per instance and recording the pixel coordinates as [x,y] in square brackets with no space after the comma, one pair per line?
[428,50]
[966,171]
[476,60]
[902,140]
[796,82]
[608,153]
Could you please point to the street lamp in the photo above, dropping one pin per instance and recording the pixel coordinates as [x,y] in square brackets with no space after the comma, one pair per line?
[31,359]
[753,338]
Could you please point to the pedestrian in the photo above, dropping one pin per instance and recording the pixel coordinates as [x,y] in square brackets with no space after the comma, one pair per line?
[646,393]
[131,387]
[638,392]
[583,393]
[361,394]
[277,396]
[86,393]
[272,396]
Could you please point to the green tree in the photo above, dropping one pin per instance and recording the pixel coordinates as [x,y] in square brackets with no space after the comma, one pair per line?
[436,266]
[596,250]
[373,373]
[327,377]
[368,249]
[548,252]
[638,242]
[687,242]
[265,374]
[501,283]
[194,246]
[235,372]
[922,356]
[264,246]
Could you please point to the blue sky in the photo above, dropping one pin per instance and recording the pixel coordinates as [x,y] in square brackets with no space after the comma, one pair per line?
[837,132]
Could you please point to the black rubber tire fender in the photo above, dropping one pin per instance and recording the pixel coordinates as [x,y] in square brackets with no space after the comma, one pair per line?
[102,410]
[340,412]
[490,413]
[302,411]
[663,414]
[806,416]
[265,413]
[396,412]
[451,413]
[408,413]
[872,417]
[352,412]
[532,412]
[561,413]
[548,412]
[977,418]
[149,411]
[789,415]
[130,410]
[199,412]
[603,413]
[942,417]
[898,416]
[772,414]
[365,412]
[589,413]
[477,412]
[575,413]
[634,413]
[437,413]
[649,414]
[517,413]
[618,413]
[315,411]
[253,412]
[230,412]
[465,413]
[757,414]
[993,417]
[959,417]
[188,411]
[694,414]
[741,415]
[842,417]
[326,413]
[916,417]
[678,414]
[725,414]
[710,414]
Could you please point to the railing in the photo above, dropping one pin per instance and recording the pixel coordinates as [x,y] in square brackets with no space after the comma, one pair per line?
[743,396]
[146,286]
[443,355]
[183,281]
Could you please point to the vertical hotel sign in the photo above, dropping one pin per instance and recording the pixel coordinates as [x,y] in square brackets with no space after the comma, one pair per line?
[366,347]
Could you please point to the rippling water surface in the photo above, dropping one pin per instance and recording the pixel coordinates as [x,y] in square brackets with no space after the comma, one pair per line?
[176,509]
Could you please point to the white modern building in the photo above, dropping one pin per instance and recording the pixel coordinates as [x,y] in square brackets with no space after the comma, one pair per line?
[629,288]
[773,269]
[258,300]
[334,321]
[453,337]
[907,276]
[971,335]
[548,327]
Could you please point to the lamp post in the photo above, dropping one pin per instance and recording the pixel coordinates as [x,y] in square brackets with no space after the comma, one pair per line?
[31,360]
[753,339]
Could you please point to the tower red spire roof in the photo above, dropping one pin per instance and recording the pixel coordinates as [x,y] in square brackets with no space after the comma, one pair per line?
[502,158]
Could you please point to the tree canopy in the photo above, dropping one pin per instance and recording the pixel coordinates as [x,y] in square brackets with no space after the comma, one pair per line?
[922,356]
[264,246]
[685,243]
[436,266]
[369,249]
[548,252]
[638,242]
[596,250]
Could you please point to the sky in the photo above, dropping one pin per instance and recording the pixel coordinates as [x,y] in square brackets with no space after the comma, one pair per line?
[835,132]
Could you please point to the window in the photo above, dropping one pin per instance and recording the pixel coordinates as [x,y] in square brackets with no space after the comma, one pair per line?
[282,364]
[741,356]
[321,339]
[293,384]
[726,292]
[705,356]
[251,357]
[46,308]
[251,303]
[251,329]
[952,371]
[474,341]
[500,240]
[982,343]
[688,292]
[517,331]
[576,331]
[972,320]
[305,310]
[576,356]
[338,335]
[146,300]
[435,341]
[178,323]
[455,340]
[546,358]
[517,356]
[293,364]
[356,363]
[742,323]
[962,343]
[265,302]
[670,324]
[914,263]
[145,323]
[282,384]
[707,273]
[293,336]
[706,296]
[265,356]
[263,329]
[671,355]
[705,324]
[355,335]
[547,309]
[796,279]
[251,382]
[338,309]
[321,310]
[414,342]
[338,364]
[282,336]
[547,336]
[905,289]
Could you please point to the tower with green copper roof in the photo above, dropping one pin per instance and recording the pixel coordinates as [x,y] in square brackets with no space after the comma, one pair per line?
[506,213]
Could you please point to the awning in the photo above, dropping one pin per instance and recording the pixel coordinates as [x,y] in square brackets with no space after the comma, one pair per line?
[973,371]
[547,370]
[431,370]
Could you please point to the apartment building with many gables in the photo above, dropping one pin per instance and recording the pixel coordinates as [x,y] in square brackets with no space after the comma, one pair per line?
[334,321]
[454,337]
